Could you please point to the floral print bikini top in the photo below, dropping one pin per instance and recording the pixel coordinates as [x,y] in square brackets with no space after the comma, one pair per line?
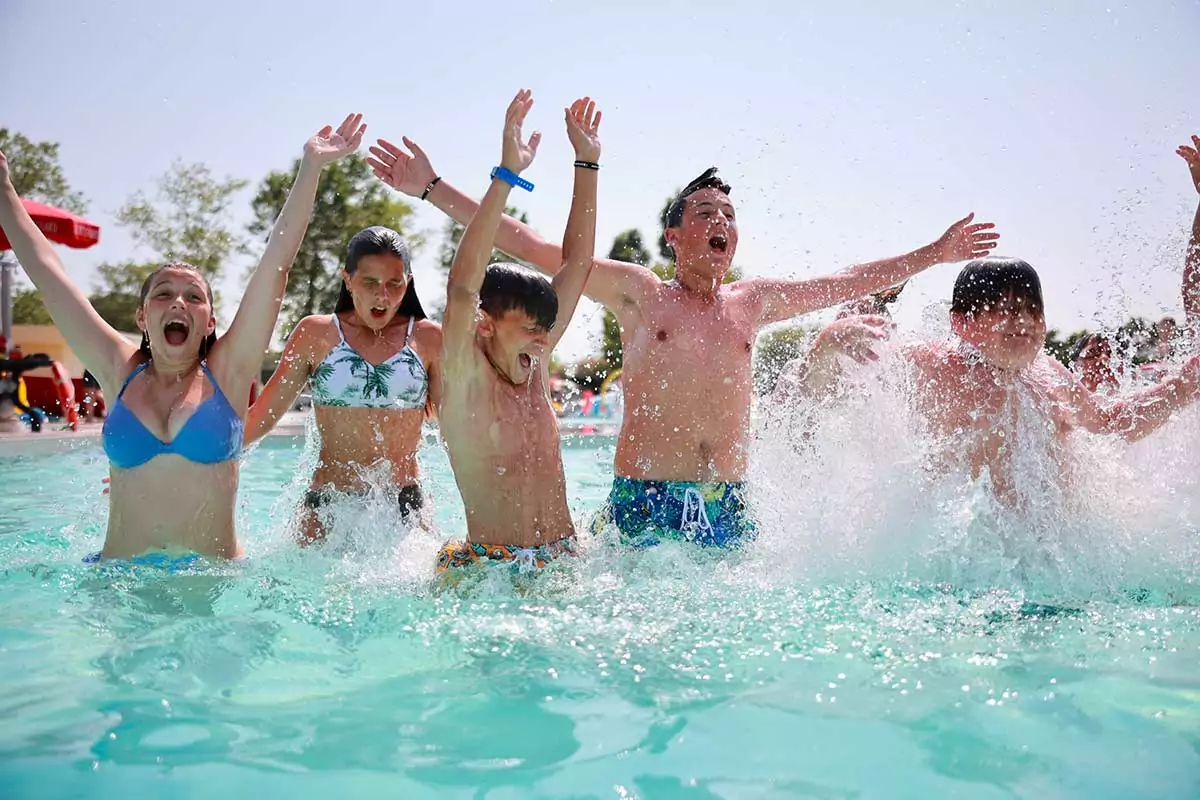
[346,379]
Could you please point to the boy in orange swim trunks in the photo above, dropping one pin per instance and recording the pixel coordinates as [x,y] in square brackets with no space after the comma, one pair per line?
[502,322]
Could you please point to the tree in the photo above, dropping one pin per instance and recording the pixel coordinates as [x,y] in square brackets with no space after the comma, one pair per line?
[188,219]
[36,173]
[348,200]
[28,308]
[120,292]
[451,235]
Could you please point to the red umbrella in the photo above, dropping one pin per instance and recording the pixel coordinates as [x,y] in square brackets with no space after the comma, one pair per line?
[59,226]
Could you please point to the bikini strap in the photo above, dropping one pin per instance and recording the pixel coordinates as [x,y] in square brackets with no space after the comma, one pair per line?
[133,374]
[408,336]
[337,323]
[211,379]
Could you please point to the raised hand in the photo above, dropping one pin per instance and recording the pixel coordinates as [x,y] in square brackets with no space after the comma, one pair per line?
[403,172]
[517,155]
[965,240]
[329,145]
[583,124]
[1192,156]
[3,168]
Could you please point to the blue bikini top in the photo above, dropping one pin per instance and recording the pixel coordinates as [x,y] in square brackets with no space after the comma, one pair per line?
[211,435]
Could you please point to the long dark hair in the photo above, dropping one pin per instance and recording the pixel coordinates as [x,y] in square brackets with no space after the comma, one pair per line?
[209,341]
[375,241]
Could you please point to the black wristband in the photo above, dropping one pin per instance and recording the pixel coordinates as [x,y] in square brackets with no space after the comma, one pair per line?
[587,164]
[429,186]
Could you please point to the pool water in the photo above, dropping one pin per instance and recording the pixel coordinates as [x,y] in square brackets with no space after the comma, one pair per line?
[340,671]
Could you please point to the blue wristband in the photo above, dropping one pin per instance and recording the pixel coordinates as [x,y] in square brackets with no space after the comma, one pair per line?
[512,178]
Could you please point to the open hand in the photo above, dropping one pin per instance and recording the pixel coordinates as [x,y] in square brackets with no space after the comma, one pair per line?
[583,124]
[517,155]
[855,337]
[3,168]
[965,240]
[329,145]
[405,173]
[1191,370]
[1192,156]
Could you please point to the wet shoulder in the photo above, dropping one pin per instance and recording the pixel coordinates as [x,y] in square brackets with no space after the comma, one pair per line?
[314,336]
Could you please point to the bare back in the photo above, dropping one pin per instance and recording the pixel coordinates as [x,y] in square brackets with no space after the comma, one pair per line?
[688,385]
[503,444]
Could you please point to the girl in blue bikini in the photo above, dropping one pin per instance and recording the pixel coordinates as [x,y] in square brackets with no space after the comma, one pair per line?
[174,429]
[374,366]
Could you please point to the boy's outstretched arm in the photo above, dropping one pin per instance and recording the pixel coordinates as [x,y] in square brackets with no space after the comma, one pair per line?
[579,239]
[783,299]
[475,248]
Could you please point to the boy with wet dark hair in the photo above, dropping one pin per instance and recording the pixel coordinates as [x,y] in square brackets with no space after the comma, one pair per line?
[501,325]
[511,287]
[967,389]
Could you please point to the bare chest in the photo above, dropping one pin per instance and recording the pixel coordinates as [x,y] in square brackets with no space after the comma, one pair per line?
[705,344]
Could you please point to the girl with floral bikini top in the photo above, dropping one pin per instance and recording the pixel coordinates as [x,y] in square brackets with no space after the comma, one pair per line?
[374,367]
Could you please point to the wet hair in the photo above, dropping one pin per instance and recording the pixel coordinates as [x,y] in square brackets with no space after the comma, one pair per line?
[378,241]
[984,282]
[209,341]
[1083,343]
[707,180]
[511,287]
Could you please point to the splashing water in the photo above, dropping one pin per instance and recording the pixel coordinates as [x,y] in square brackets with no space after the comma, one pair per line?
[890,628]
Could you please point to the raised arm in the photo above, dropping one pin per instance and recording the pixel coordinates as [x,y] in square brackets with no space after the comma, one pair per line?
[1191,261]
[1135,416]
[104,351]
[782,299]
[579,238]
[240,351]
[475,247]
[614,284]
[289,378]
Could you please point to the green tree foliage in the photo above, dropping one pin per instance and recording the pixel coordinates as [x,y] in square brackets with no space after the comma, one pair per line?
[36,173]
[349,199]
[28,308]
[188,219]
[119,295]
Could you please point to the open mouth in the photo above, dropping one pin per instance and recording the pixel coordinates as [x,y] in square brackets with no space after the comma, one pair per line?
[718,243]
[525,360]
[175,332]
[378,312]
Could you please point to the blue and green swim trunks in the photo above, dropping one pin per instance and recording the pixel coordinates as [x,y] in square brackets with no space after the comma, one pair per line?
[647,512]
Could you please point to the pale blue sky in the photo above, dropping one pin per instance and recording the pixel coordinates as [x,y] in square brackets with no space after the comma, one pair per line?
[850,131]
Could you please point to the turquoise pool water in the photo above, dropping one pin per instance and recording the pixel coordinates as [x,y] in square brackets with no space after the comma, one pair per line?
[663,674]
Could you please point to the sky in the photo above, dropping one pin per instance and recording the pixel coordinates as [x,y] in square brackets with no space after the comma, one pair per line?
[849,131]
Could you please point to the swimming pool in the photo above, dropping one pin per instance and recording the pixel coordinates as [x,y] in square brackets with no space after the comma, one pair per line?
[669,673]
